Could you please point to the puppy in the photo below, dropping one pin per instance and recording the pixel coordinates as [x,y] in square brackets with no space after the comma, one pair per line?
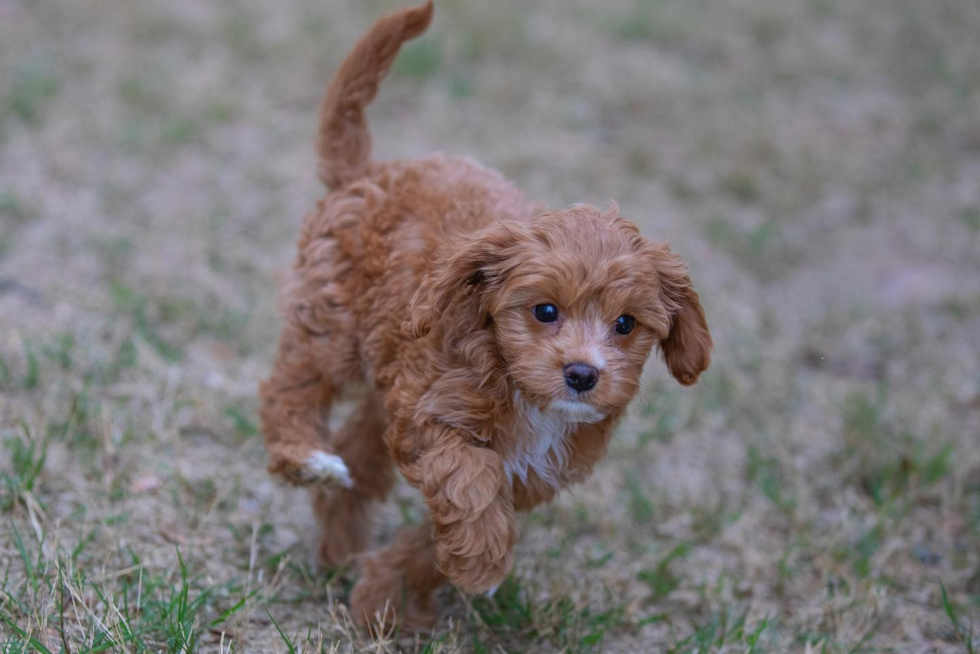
[498,346]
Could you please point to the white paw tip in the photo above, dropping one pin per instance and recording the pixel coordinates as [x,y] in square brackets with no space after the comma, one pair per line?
[329,468]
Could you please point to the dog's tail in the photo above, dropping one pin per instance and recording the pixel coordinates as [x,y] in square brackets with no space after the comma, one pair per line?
[344,143]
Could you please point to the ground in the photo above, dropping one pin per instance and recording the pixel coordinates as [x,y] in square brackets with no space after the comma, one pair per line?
[816,161]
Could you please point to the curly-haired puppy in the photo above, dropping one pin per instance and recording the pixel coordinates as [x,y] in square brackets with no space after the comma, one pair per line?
[498,345]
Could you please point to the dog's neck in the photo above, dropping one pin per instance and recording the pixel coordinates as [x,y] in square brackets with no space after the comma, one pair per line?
[540,440]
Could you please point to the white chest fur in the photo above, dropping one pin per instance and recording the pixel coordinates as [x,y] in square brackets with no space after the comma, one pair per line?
[541,444]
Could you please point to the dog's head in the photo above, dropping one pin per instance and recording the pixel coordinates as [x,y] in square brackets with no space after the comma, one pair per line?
[575,301]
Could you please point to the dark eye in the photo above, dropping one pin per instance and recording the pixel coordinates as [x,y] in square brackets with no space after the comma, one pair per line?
[625,324]
[545,312]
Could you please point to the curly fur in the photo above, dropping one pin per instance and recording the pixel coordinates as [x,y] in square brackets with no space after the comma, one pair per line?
[415,279]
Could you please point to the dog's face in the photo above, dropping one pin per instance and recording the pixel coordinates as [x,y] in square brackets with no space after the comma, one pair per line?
[576,301]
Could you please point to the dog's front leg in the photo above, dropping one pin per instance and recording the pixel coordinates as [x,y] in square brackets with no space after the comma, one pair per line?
[472,511]
[295,402]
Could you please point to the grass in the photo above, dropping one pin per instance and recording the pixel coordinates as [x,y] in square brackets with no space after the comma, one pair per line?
[813,160]
[722,631]
[762,250]
[419,59]
[26,456]
[971,218]
[964,633]
[661,579]
[557,622]
[134,611]
[14,208]
[766,472]
[35,84]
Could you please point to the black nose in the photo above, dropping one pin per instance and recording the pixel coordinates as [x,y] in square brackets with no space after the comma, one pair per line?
[581,376]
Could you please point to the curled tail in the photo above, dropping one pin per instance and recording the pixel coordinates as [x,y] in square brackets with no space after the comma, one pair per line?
[344,143]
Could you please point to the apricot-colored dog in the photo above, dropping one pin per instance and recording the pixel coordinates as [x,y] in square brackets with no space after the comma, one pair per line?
[498,346]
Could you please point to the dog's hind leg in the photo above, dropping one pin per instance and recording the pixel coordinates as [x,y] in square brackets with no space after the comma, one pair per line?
[398,584]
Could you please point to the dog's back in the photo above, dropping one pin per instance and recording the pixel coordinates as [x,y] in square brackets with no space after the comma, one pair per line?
[403,209]
[365,249]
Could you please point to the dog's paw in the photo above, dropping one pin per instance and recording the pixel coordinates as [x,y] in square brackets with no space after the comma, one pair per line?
[476,562]
[476,575]
[318,468]
[323,468]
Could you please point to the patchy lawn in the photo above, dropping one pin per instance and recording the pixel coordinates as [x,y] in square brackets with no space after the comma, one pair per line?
[817,162]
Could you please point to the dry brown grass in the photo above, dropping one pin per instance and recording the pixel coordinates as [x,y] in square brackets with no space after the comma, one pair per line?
[817,161]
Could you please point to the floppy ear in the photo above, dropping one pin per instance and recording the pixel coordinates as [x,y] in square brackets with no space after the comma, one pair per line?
[687,348]
[478,263]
